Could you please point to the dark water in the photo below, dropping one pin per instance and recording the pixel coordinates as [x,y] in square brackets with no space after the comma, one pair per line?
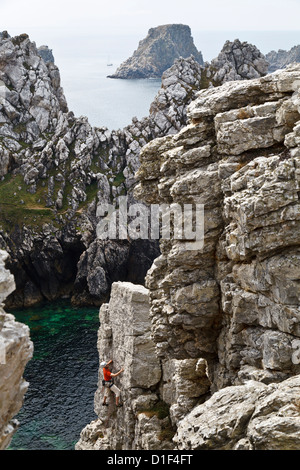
[62,375]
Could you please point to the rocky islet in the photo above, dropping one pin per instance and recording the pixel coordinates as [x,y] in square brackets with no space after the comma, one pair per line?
[158,51]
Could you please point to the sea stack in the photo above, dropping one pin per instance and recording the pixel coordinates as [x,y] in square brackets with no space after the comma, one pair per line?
[158,51]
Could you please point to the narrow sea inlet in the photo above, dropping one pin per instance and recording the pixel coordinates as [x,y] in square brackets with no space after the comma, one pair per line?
[62,375]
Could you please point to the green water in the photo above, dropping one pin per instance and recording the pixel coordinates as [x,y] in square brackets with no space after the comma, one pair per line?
[62,375]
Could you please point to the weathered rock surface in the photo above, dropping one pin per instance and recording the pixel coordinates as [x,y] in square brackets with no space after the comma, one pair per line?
[125,337]
[281,58]
[238,61]
[15,351]
[253,416]
[155,394]
[55,170]
[234,158]
[224,314]
[158,51]
[46,54]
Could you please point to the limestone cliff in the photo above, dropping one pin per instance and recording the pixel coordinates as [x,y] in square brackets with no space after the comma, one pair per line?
[15,351]
[238,157]
[148,385]
[225,316]
[238,61]
[158,51]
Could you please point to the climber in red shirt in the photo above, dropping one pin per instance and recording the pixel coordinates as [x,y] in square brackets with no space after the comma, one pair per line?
[108,382]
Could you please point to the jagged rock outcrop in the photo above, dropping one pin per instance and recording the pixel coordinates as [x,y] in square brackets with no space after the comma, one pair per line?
[282,58]
[238,61]
[46,54]
[57,168]
[222,302]
[15,351]
[125,338]
[158,51]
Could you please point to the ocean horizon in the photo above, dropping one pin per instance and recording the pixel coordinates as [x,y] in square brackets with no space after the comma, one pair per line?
[112,103]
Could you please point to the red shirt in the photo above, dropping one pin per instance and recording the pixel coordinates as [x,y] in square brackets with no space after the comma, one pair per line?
[106,375]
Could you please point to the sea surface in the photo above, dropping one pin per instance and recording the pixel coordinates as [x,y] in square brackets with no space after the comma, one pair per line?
[62,376]
[112,103]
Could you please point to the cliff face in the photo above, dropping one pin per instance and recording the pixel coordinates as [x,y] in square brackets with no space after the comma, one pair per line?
[238,157]
[148,385]
[281,58]
[225,316]
[15,351]
[158,51]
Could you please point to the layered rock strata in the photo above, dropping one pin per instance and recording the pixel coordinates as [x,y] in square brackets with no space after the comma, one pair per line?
[15,351]
[125,337]
[55,170]
[229,302]
[224,317]
[254,416]
[158,51]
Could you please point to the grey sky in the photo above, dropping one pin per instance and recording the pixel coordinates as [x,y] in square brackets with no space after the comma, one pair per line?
[127,16]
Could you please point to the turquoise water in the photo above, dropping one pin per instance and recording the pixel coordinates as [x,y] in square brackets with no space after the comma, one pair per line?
[63,376]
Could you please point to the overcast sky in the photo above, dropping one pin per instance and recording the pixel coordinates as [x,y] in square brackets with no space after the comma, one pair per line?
[84,26]
[127,16]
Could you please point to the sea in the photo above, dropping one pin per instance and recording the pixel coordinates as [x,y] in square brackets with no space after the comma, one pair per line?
[85,63]
[62,376]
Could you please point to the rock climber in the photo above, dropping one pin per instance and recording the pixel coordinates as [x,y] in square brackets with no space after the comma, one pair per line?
[108,383]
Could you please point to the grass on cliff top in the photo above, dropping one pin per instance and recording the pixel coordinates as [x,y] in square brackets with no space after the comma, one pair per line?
[18,205]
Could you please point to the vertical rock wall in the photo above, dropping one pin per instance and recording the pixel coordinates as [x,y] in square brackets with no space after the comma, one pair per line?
[236,301]
[155,394]
[224,318]
[15,351]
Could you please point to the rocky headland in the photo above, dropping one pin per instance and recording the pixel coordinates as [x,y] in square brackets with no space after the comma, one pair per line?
[281,58]
[158,51]
[212,359]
